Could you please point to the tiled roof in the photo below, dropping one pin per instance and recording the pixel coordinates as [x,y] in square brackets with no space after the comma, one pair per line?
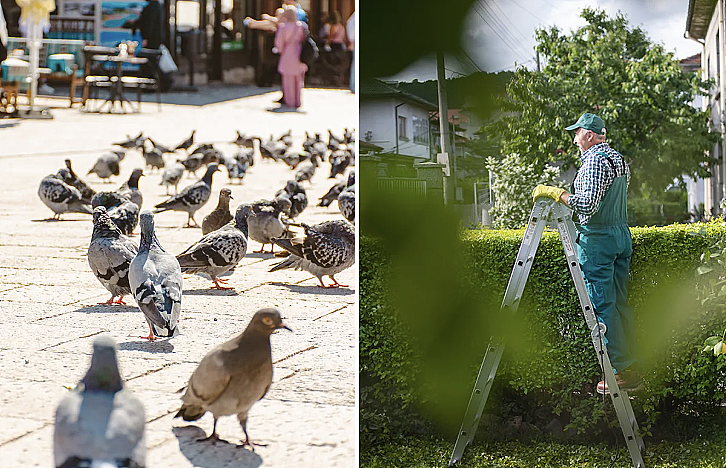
[372,88]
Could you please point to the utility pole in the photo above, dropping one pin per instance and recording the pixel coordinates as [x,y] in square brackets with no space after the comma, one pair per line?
[538,68]
[444,126]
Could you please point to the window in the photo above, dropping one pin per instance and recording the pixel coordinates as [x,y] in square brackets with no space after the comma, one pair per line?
[402,128]
[420,131]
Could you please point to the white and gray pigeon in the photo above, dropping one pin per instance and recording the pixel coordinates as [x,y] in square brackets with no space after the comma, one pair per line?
[130,188]
[72,179]
[156,282]
[267,224]
[233,376]
[100,423]
[346,203]
[305,171]
[61,197]
[106,165]
[327,249]
[220,250]
[122,211]
[192,197]
[109,255]
[172,175]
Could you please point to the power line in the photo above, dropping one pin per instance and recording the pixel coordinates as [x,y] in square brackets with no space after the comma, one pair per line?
[514,65]
[497,33]
[532,14]
[501,27]
[476,67]
[510,22]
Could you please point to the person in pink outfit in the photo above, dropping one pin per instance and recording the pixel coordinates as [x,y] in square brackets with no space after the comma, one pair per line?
[288,40]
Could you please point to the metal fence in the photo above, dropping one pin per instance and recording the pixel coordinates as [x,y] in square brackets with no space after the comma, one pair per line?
[414,186]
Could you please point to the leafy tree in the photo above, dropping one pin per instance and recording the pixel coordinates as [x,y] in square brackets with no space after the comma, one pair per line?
[614,70]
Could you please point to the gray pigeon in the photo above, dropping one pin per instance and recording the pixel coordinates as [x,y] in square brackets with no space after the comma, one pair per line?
[305,171]
[346,203]
[267,225]
[184,145]
[130,188]
[106,166]
[332,194]
[193,162]
[233,376]
[109,255]
[122,211]
[72,179]
[220,250]
[295,192]
[100,423]
[221,214]
[327,249]
[192,197]
[156,282]
[153,157]
[172,175]
[61,197]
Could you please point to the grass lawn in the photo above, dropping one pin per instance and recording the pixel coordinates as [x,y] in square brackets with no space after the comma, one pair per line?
[709,452]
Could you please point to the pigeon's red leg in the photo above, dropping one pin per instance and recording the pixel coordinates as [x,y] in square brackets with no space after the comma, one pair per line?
[120,300]
[219,286]
[108,302]
[321,285]
[151,336]
[336,284]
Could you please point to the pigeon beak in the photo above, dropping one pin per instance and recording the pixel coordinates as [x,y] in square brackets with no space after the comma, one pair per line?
[283,325]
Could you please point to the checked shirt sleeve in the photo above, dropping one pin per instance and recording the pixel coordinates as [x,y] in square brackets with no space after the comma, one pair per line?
[593,179]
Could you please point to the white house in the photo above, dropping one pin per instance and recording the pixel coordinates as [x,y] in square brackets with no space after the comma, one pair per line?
[705,24]
[395,120]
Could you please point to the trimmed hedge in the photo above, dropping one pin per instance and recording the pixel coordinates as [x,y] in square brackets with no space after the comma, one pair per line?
[423,335]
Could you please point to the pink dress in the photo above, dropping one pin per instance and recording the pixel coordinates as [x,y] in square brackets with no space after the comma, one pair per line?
[288,40]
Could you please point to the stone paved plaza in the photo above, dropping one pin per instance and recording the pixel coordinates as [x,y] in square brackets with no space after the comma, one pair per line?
[49,312]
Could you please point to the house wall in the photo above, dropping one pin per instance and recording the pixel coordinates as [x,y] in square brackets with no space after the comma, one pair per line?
[378,116]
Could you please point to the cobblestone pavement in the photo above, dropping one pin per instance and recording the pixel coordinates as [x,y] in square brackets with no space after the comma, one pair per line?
[49,296]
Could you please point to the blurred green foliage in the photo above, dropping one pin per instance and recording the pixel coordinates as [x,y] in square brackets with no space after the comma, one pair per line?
[430,301]
[396,34]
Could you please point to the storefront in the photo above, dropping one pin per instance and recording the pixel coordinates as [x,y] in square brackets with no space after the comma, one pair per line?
[103,22]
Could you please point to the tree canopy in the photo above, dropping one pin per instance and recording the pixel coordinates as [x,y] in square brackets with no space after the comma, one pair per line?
[611,69]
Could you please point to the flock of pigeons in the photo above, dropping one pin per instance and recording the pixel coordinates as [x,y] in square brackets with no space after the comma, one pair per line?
[233,376]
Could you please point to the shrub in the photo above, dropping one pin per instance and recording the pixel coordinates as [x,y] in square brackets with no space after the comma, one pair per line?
[549,361]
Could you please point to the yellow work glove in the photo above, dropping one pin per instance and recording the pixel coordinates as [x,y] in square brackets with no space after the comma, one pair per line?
[547,191]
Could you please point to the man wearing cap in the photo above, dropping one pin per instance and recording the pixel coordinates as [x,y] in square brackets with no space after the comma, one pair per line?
[599,198]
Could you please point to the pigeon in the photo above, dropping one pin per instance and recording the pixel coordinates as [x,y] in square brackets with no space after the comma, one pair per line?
[346,203]
[153,157]
[244,140]
[236,169]
[234,375]
[130,188]
[163,149]
[220,250]
[100,423]
[186,144]
[305,171]
[327,249]
[130,143]
[295,192]
[193,162]
[122,211]
[202,147]
[156,282]
[286,138]
[172,175]
[266,224]
[339,161]
[332,194]
[348,136]
[221,214]
[72,179]
[106,166]
[192,197]
[211,155]
[109,256]
[61,197]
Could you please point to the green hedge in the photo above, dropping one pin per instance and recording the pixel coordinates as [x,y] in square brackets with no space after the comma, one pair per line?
[425,324]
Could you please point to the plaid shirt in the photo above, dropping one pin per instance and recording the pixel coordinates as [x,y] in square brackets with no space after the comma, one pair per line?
[594,178]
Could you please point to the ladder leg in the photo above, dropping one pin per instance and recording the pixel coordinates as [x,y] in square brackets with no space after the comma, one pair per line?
[621,402]
[512,295]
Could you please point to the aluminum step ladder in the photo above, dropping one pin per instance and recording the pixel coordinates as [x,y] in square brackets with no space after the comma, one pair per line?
[547,211]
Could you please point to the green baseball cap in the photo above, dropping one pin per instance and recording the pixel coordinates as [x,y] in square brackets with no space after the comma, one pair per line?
[588,122]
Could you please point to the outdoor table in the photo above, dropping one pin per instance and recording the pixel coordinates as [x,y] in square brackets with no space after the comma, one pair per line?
[116,88]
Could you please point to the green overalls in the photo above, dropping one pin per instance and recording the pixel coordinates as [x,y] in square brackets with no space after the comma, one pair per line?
[604,252]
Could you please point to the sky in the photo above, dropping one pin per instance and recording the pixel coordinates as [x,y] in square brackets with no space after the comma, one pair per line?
[500,33]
